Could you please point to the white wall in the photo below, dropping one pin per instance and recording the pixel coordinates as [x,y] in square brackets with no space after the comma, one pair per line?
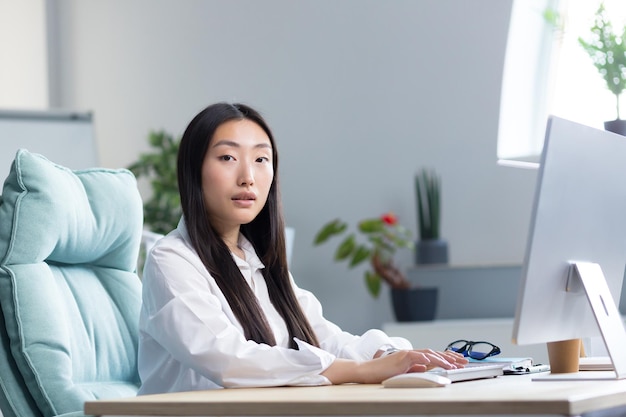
[23,55]
[360,94]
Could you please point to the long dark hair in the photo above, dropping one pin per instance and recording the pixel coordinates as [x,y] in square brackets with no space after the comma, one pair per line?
[266,233]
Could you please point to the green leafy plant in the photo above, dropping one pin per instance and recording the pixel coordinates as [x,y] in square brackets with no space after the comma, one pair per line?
[428,196]
[162,210]
[608,53]
[383,236]
[554,18]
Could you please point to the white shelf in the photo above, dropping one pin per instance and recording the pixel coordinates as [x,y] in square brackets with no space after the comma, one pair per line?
[468,291]
[437,334]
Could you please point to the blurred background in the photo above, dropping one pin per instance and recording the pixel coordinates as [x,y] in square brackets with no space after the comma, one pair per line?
[361,94]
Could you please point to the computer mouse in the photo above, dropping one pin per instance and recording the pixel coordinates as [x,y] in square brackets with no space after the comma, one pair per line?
[416,380]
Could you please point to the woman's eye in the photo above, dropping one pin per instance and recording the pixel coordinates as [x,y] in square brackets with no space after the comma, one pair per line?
[263,159]
[226,158]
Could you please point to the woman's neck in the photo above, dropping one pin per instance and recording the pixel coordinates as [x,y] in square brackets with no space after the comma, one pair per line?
[232,242]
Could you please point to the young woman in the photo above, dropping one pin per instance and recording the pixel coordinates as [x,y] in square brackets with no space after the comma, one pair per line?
[220,309]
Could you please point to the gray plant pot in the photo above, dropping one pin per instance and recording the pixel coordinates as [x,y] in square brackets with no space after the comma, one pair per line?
[414,304]
[616,126]
[431,251]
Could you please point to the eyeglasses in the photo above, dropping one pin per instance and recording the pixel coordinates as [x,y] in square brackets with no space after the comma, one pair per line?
[474,350]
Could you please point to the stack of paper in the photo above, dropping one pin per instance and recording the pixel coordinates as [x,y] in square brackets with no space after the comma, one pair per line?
[595,363]
[508,363]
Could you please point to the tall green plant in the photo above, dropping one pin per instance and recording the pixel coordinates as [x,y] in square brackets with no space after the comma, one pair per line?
[162,210]
[427,191]
[608,52]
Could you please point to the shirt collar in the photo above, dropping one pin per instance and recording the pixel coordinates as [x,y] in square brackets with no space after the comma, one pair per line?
[252,258]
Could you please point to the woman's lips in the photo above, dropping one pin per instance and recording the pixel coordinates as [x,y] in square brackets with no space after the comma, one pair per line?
[244,199]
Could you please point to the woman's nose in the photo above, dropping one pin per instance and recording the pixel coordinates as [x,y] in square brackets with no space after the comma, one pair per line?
[246,175]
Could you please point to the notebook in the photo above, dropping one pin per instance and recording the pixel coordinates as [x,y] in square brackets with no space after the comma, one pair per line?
[471,371]
[506,361]
[509,364]
[595,363]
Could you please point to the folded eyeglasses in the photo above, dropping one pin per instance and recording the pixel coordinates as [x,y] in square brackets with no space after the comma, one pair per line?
[475,350]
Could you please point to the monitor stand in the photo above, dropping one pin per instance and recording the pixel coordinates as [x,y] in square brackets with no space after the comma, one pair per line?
[589,276]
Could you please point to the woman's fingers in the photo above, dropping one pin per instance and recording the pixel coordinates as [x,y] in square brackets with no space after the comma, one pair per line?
[446,360]
[454,357]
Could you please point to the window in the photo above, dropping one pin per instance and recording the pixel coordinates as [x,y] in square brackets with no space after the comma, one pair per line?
[548,72]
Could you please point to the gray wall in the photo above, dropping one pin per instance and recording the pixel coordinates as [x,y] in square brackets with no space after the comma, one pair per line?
[360,94]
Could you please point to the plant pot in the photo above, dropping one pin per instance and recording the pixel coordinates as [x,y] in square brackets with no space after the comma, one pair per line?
[414,304]
[431,251]
[616,126]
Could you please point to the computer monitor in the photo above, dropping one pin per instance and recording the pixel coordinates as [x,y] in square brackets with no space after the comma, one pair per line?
[576,249]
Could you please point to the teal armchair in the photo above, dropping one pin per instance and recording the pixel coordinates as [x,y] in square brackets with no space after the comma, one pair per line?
[69,292]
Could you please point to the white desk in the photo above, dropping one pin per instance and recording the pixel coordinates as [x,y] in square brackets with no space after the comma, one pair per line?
[505,395]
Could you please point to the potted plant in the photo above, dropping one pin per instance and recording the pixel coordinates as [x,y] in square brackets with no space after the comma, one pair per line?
[430,248]
[382,237]
[608,53]
[162,210]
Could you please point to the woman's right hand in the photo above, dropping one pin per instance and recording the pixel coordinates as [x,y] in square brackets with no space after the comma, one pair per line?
[377,370]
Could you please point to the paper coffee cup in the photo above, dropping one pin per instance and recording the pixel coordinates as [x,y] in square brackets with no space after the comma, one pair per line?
[564,356]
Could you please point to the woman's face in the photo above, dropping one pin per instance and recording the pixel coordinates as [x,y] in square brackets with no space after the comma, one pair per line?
[237,173]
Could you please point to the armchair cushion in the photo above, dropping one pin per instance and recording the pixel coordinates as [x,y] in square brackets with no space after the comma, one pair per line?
[69,291]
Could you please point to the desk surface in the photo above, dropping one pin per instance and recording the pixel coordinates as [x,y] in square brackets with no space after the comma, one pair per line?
[502,395]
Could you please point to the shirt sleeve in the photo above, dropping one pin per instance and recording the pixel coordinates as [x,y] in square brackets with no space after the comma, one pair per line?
[341,343]
[184,312]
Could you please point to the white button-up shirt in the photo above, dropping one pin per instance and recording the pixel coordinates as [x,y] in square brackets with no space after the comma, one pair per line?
[191,340]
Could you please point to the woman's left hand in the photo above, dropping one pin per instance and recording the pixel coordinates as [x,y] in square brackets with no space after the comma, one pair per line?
[446,360]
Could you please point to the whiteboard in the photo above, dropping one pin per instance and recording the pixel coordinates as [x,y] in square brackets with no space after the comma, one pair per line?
[64,137]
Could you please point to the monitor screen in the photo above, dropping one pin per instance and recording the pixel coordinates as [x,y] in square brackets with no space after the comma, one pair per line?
[579,215]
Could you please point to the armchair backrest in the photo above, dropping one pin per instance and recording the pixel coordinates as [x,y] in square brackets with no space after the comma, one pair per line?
[69,292]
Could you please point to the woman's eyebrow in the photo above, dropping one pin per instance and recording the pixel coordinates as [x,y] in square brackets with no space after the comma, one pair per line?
[226,143]
[234,144]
